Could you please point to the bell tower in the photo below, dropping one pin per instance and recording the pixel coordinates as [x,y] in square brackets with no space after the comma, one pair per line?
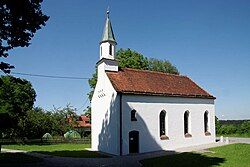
[108,43]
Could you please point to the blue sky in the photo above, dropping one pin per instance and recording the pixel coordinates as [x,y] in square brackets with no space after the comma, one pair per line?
[209,41]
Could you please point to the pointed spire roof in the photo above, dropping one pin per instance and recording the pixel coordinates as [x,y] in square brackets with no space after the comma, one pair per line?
[108,34]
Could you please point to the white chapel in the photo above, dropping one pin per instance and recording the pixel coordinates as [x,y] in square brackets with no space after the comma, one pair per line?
[137,111]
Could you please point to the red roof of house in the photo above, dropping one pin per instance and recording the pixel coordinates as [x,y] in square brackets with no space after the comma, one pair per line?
[83,118]
[133,81]
[83,121]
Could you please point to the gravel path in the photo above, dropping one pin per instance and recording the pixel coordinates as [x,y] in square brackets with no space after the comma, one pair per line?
[239,140]
[117,161]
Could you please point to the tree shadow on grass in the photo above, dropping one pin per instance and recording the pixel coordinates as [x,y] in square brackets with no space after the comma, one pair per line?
[17,159]
[183,159]
[75,153]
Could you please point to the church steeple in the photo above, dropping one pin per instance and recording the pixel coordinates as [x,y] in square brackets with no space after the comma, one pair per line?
[108,34]
[108,42]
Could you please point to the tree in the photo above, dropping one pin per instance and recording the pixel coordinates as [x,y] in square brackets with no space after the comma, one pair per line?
[35,124]
[63,119]
[39,122]
[217,125]
[87,113]
[5,122]
[17,96]
[162,66]
[245,127]
[131,59]
[92,82]
[19,21]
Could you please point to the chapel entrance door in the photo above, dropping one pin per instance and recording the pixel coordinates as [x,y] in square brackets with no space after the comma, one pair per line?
[134,142]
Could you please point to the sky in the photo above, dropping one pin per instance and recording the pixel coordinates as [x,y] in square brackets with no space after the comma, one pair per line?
[209,41]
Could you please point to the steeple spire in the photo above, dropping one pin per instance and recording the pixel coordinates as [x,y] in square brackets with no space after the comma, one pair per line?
[108,43]
[108,35]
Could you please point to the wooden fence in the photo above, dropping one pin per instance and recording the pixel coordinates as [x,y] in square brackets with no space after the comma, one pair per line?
[44,141]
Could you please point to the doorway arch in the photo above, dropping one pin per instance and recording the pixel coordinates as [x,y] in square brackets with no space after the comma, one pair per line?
[134,141]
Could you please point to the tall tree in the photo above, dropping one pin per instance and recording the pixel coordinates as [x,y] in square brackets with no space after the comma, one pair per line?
[35,124]
[17,96]
[5,122]
[19,21]
[161,66]
[92,82]
[64,119]
[131,59]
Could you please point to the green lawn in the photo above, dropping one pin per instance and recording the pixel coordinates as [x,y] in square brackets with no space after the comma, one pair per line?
[62,150]
[234,155]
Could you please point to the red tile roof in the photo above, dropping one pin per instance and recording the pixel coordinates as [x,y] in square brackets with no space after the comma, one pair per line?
[83,122]
[83,118]
[133,81]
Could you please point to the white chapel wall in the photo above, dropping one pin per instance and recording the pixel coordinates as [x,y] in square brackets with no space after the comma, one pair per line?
[105,115]
[148,109]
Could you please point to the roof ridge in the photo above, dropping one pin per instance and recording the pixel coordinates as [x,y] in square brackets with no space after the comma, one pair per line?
[159,72]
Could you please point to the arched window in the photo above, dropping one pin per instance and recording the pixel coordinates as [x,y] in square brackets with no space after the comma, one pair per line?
[162,123]
[206,121]
[110,49]
[206,124]
[186,124]
[133,115]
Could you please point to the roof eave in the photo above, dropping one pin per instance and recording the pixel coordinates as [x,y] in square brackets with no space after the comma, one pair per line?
[166,95]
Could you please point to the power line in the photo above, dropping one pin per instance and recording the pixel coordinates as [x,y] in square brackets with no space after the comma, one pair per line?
[48,76]
[84,104]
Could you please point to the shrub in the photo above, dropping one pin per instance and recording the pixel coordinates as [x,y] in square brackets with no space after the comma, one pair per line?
[47,136]
[227,129]
[245,127]
[72,135]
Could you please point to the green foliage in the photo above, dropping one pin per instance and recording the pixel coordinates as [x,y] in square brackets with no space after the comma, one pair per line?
[228,129]
[217,125]
[72,135]
[17,96]
[6,121]
[87,112]
[63,119]
[162,66]
[131,59]
[239,129]
[245,127]
[20,20]
[92,82]
[37,122]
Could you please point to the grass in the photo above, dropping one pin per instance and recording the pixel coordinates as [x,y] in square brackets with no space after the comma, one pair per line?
[61,150]
[17,159]
[233,155]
